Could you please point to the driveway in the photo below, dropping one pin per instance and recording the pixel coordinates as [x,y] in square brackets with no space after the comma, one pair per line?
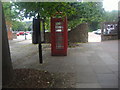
[93,64]
[93,37]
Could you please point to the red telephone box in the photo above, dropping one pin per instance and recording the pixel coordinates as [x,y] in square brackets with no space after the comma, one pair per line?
[59,36]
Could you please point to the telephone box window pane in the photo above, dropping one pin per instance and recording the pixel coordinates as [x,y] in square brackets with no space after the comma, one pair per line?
[59,46]
[58,23]
[59,42]
[58,26]
[58,30]
[59,38]
[59,34]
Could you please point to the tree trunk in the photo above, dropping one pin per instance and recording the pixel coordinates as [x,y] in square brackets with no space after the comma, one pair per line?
[7,69]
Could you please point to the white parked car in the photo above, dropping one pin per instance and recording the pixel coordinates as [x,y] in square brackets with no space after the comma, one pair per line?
[97,31]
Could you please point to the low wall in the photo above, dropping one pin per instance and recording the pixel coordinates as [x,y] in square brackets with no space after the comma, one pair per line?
[11,35]
[78,34]
[109,37]
[110,31]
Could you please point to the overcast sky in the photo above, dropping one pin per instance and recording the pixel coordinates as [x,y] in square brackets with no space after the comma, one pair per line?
[110,5]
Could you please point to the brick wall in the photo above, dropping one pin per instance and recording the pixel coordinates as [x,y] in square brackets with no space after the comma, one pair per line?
[10,35]
[9,31]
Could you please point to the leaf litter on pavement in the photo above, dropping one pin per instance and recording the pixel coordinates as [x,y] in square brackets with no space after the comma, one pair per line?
[32,78]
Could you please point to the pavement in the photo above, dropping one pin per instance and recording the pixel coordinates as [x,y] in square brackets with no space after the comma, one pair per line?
[93,64]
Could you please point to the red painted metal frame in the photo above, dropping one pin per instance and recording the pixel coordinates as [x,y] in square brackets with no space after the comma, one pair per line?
[54,50]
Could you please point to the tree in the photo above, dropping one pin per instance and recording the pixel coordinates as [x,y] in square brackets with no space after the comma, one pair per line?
[77,12]
[18,26]
[111,16]
[11,15]
[86,12]
[45,9]
[28,25]
[94,26]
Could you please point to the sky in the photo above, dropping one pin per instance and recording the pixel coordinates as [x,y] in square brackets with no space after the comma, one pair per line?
[108,5]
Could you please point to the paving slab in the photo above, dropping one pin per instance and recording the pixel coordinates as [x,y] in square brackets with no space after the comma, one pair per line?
[108,80]
[101,69]
[84,68]
[86,77]
[88,85]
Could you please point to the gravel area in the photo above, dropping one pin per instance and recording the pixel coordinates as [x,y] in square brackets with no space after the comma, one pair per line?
[31,78]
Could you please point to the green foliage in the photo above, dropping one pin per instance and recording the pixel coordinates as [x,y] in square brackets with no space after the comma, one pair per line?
[111,16]
[21,26]
[94,26]
[77,12]
[10,13]
[28,25]
[11,16]
[47,24]
[107,17]
[73,23]
[18,26]
[45,9]
[7,11]
[86,12]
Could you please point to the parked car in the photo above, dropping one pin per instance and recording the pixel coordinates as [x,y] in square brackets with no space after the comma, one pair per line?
[25,33]
[28,32]
[97,31]
[31,32]
[18,34]
[21,33]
